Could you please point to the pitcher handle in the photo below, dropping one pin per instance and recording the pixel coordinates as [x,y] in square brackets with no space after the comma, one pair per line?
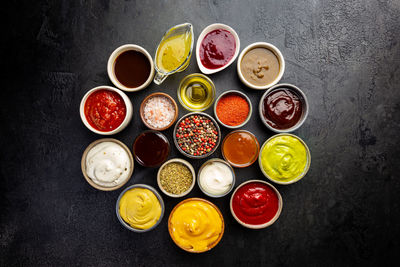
[159,78]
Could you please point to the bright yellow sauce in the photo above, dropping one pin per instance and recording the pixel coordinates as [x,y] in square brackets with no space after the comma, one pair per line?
[173,51]
[284,158]
[196,225]
[140,208]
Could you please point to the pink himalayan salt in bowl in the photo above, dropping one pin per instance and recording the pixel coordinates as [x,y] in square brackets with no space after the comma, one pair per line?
[158,111]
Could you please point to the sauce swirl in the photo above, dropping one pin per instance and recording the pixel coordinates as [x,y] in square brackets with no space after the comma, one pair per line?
[282,108]
[284,158]
[108,164]
[255,203]
[217,48]
[140,208]
[196,225]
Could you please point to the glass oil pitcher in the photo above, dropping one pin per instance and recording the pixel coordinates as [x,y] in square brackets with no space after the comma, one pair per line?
[174,51]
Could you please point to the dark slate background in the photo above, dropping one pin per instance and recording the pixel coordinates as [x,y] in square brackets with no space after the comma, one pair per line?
[345,55]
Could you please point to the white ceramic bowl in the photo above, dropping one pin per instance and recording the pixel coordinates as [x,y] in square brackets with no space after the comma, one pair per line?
[125,122]
[83,164]
[278,54]
[299,93]
[199,181]
[301,176]
[211,28]
[187,164]
[237,93]
[258,226]
[110,67]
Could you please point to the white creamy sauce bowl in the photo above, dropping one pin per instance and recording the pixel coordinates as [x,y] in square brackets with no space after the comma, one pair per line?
[107,164]
[216,178]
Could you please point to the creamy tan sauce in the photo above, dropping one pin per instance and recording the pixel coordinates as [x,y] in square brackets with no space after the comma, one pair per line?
[260,66]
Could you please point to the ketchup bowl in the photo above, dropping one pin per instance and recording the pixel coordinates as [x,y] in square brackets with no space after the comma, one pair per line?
[105,110]
[247,196]
[204,34]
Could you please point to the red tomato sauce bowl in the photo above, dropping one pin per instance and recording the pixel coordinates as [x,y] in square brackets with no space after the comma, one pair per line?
[256,204]
[106,110]
[217,47]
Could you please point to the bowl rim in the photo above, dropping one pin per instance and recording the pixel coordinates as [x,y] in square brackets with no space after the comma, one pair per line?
[213,89]
[154,191]
[211,204]
[142,105]
[83,164]
[299,93]
[163,137]
[257,226]
[237,93]
[205,155]
[221,161]
[203,33]
[128,105]
[187,164]
[240,165]
[301,176]
[273,49]
[111,64]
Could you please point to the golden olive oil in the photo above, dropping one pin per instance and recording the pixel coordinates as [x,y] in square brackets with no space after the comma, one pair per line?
[173,51]
[196,92]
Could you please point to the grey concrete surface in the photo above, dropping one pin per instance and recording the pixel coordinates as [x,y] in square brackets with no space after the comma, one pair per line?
[345,55]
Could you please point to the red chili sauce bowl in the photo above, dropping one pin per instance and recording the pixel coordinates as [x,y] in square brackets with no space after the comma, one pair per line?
[217,48]
[105,110]
[256,204]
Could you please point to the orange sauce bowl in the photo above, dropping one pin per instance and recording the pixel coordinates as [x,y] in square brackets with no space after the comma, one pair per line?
[240,148]
[199,229]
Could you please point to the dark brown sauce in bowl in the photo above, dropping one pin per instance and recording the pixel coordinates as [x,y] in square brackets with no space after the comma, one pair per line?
[282,108]
[151,148]
[132,68]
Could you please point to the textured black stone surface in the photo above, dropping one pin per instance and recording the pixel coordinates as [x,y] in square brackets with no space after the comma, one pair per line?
[345,55]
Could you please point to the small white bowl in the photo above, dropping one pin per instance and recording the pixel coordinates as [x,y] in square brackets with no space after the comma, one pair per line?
[111,63]
[211,28]
[277,53]
[211,161]
[237,93]
[301,176]
[296,90]
[83,164]
[187,164]
[258,226]
[125,122]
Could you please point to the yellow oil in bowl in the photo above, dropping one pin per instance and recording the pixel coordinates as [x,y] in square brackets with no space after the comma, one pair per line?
[196,92]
